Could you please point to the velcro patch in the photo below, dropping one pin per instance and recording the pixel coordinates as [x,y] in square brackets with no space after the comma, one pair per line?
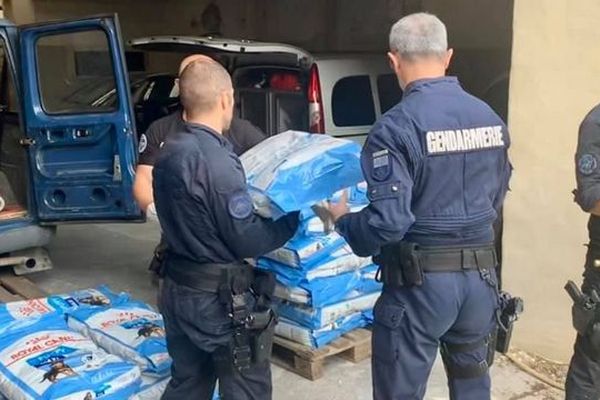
[240,205]
[143,143]
[587,164]
[382,166]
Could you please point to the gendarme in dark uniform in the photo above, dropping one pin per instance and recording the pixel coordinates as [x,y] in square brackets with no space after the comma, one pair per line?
[242,135]
[437,170]
[583,379]
[214,322]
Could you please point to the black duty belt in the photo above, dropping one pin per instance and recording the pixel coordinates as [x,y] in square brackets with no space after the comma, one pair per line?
[208,277]
[456,259]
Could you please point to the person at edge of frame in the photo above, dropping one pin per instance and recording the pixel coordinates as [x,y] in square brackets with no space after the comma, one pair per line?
[583,378]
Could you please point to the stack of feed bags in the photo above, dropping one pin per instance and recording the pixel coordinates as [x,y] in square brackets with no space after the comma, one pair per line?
[325,290]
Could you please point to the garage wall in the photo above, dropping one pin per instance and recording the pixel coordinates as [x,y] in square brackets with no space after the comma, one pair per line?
[480,30]
[554,83]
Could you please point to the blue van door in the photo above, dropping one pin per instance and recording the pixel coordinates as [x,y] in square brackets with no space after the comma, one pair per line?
[78,119]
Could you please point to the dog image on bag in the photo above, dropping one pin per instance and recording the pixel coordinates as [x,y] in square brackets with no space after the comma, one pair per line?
[57,368]
[95,300]
[149,330]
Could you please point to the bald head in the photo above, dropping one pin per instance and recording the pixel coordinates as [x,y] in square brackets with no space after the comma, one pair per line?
[193,58]
[206,92]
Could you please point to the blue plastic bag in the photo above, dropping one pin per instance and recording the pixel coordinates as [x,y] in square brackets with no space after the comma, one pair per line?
[152,387]
[315,256]
[132,330]
[100,296]
[319,337]
[42,359]
[320,317]
[322,291]
[368,282]
[293,170]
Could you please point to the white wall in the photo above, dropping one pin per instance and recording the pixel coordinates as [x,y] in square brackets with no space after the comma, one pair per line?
[554,83]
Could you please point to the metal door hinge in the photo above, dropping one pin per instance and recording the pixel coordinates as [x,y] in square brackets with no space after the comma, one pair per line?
[117,175]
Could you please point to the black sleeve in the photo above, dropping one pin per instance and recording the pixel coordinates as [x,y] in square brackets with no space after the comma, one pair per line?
[243,135]
[246,233]
[587,158]
[151,142]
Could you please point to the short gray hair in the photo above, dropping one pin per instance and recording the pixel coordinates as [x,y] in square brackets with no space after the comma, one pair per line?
[419,35]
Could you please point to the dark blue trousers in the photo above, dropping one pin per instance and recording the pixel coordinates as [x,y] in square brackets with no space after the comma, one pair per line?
[198,334]
[410,323]
[583,379]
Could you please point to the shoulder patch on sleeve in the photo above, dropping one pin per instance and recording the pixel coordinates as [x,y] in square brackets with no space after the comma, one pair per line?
[382,166]
[587,164]
[143,143]
[240,205]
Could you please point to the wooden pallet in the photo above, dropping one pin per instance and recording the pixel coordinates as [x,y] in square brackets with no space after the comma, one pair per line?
[15,288]
[309,363]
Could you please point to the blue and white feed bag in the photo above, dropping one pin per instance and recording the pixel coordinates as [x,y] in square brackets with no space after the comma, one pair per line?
[42,359]
[294,170]
[131,330]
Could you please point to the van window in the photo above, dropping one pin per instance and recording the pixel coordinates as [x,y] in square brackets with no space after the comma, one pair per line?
[75,70]
[389,91]
[352,102]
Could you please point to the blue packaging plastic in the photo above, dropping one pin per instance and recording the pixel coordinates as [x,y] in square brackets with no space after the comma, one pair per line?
[42,359]
[307,252]
[100,296]
[320,292]
[368,282]
[319,337]
[320,317]
[319,164]
[339,262]
[132,330]
[152,388]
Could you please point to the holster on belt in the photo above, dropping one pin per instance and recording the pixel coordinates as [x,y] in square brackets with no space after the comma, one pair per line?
[158,258]
[508,313]
[399,265]
[235,284]
[404,263]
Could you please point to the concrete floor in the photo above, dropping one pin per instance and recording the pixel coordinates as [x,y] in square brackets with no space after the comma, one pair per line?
[118,255]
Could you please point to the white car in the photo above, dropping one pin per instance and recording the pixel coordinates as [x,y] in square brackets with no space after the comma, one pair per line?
[281,87]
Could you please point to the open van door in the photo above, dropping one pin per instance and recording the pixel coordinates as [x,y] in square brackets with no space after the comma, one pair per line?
[82,155]
[232,52]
